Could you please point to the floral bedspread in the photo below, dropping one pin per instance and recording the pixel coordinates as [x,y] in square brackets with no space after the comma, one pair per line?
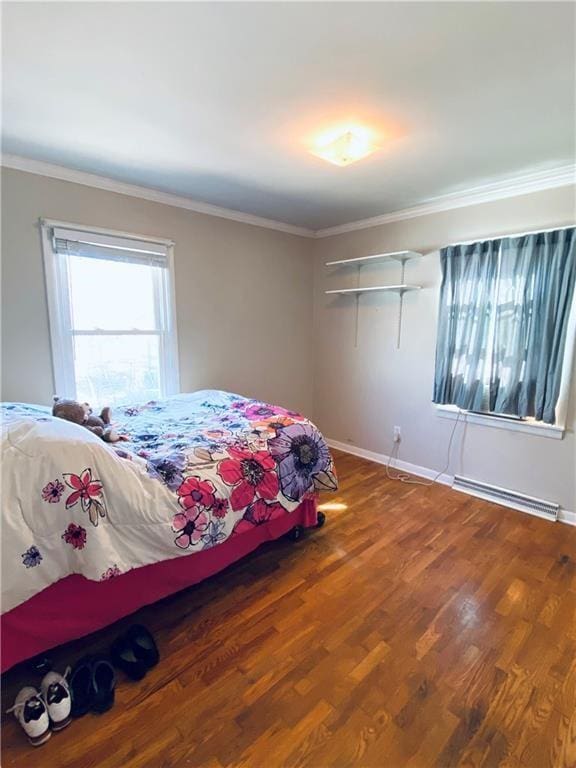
[197,468]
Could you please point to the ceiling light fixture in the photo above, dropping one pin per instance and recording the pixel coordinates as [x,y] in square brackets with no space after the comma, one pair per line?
[346,147]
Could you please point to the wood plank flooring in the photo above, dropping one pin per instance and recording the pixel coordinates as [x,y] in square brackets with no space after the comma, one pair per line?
[420,627]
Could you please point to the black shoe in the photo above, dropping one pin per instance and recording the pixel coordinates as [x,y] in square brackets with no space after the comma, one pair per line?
[143,645]
[103,684]
[39,665]
[80,682]
[124,657]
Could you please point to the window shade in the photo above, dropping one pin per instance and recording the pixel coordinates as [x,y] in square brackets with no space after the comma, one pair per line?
[97,246]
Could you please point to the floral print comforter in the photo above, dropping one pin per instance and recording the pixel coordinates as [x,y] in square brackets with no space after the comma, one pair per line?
[197,469]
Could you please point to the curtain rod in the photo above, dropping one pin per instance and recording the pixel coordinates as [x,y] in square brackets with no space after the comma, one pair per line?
[515,234]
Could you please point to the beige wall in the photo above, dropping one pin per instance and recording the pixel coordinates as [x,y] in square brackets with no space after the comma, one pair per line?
[246,323]
[362,392]
[243,293]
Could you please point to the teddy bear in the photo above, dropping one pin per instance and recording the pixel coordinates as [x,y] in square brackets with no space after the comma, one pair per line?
[81,413]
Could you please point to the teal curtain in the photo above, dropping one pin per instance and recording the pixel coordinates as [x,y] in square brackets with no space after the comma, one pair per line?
[464,324]
[503,321]
[535,291]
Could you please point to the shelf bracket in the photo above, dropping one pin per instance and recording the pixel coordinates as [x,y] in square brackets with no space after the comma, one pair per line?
[401,304]
[400,310]
[403,262]
[357,310]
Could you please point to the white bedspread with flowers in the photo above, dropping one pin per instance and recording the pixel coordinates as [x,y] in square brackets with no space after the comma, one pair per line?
[198,468]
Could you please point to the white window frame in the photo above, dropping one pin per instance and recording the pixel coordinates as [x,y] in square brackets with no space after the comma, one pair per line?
[530,426]
[60,321]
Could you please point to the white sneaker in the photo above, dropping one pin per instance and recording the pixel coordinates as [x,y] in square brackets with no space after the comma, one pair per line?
[56,694]
[31,712]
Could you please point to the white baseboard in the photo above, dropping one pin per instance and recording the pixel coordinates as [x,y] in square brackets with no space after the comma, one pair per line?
[381,458]
[564,516]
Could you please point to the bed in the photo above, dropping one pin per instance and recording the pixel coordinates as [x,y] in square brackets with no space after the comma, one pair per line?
[93,531]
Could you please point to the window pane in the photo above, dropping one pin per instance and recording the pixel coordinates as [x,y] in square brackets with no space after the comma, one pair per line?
[111,295]
[117,369]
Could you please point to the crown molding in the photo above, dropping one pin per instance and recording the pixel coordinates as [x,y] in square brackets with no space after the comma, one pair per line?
[511,187]
[53,171]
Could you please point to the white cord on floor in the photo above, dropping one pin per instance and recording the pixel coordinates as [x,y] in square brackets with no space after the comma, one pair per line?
[403,477]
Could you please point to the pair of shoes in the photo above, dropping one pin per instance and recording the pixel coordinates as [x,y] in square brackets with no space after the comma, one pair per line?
[40,712]
[135,652]
[93,685]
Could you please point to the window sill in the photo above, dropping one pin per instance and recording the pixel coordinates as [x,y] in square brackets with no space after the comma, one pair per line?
[554,431]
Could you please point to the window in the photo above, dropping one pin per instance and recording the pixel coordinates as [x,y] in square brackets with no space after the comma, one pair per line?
[110,300]
[507,325]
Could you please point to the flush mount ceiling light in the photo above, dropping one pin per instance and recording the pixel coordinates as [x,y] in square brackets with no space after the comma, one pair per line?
[346,147]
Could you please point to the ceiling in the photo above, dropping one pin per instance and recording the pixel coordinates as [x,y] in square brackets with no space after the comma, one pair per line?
[221,102]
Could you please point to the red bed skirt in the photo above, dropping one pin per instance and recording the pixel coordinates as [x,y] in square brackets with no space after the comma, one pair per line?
[75,606]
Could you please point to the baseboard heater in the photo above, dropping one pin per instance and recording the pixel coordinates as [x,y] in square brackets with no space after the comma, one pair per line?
[546,509]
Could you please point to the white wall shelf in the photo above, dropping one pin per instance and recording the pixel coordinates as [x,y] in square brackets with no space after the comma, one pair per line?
[375,288]
[400,288]
[401,256]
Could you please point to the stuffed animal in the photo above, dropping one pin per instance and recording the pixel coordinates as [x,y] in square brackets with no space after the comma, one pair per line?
[81,413]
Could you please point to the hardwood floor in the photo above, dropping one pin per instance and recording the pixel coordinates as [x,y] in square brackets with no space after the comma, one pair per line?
[420,627]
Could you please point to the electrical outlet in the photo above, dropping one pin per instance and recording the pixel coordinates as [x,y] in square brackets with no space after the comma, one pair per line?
[397,434]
